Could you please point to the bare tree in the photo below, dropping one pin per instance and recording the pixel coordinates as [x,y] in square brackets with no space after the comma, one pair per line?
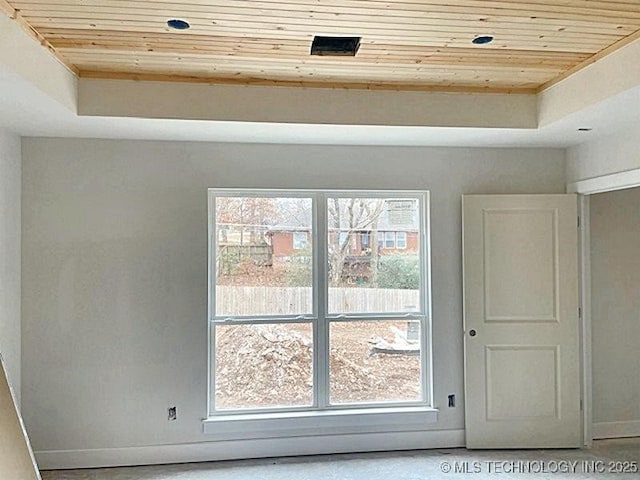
[242,223]
[347,217]
[246,215]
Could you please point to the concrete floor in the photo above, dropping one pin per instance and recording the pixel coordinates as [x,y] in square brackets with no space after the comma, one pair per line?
[604,460]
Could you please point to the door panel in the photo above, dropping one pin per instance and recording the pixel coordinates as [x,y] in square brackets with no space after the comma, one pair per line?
[517,241]
[522,378]
[524,396]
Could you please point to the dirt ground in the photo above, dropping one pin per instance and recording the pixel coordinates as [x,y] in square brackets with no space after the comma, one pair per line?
[271,365]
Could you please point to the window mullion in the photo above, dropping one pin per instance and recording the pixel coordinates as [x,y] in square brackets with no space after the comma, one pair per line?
[321,337]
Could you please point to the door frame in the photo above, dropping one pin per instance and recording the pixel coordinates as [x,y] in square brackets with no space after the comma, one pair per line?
[586,188]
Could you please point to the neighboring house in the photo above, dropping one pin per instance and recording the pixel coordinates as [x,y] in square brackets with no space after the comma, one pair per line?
[396,232]
[288,242]
[388,241]
[289,238]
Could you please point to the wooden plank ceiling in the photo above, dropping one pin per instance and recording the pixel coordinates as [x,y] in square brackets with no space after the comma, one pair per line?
[406,44]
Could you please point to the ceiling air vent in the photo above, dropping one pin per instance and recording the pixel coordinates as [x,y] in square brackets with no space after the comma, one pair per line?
[336,46]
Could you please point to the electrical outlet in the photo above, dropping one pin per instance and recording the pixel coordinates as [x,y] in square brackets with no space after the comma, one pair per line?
[452,401]
[173,415]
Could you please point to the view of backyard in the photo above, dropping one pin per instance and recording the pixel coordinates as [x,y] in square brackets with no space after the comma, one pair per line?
[264,269]
[262,366]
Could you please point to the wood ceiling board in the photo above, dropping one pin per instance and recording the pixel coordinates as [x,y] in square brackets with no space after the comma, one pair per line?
[155,21]
[397,78]
[256,56]
[392,46]
[12,13]
[455,23]
[335,82]
[216,63]
[333,76]
[393,43]
[447,56]
[292,59]
[125,39]
[534,40]
[214,60]
[312,12]
[149,77]
[573,9]
[380,36]
[466,20]
[418,42]
[7,9]
[366,55]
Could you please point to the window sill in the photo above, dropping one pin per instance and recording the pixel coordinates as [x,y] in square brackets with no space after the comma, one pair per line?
[327,422]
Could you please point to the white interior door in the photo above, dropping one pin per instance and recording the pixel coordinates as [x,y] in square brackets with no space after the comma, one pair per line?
[522,366]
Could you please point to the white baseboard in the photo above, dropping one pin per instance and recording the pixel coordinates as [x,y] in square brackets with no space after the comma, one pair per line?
[616,429]
[238,449]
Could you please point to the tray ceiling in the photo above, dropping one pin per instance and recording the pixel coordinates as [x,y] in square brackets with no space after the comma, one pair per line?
[405,44]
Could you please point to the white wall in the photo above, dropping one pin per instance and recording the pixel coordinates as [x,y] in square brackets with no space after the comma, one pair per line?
[614,74]
[10,190]
[613,154]
[115,270]
[615,280]
[333,106]
[23,55]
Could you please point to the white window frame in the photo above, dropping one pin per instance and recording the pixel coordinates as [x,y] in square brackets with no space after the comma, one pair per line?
[404,243]
[305,242]
[389,240]
[320,318]
[364,235]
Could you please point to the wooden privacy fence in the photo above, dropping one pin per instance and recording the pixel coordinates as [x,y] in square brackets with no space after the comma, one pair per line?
[238,300]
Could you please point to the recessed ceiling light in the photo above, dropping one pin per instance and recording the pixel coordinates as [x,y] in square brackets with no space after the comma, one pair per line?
[482,40]
[585,129]
[178,24]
